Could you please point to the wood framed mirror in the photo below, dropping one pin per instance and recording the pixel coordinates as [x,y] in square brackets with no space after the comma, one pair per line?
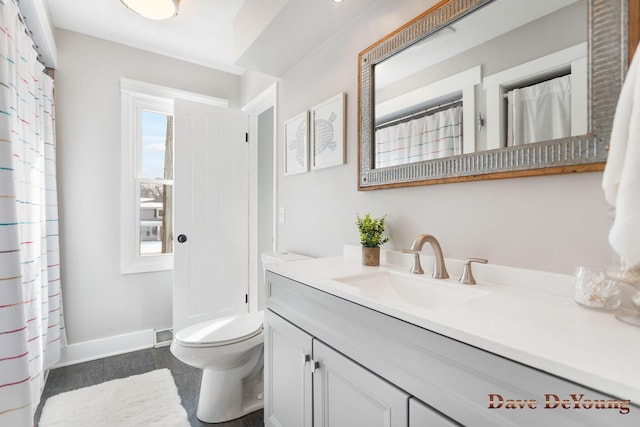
[453,59]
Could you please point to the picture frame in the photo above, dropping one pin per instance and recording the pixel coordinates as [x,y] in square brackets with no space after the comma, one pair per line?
[296,144]
[328,133]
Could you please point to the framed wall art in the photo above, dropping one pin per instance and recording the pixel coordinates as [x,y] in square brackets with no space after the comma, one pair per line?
[296,144]
[328,133]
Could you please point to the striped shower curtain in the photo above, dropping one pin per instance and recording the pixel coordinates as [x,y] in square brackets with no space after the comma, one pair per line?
[31,325]
[429,137]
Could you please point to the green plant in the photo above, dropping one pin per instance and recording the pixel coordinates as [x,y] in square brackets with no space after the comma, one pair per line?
[371,231]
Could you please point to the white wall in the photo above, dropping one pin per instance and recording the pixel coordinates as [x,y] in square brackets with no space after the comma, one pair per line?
[552,223]
[252,85]
[98,301]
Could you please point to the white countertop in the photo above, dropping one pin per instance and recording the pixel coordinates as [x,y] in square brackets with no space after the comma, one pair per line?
[527,316]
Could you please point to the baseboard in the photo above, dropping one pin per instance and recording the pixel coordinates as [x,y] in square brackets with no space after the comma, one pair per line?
[105,347]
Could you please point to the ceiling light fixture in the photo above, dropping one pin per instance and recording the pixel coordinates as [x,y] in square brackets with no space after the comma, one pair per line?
[153,9]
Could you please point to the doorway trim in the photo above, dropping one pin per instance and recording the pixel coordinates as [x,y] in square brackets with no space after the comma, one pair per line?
[258,105]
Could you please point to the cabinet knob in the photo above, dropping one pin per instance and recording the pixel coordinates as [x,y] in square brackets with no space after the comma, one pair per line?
[182,238]
[314,366]
[306,358]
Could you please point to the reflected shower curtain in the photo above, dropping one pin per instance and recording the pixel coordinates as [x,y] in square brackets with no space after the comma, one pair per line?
[540,112]
[31,326]
[429,137]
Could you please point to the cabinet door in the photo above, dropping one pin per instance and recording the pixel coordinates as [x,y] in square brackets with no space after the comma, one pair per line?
[421,415]
[287,380]
[346,394]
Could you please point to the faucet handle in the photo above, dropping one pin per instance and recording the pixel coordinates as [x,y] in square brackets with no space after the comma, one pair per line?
[467,276]
[416,268]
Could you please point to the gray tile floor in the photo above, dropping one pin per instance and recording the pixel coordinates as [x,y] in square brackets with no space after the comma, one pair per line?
[95,372]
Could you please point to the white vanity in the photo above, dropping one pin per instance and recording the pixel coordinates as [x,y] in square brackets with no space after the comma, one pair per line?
[348,346]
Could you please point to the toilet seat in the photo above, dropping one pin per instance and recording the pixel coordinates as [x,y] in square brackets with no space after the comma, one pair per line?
[221,331]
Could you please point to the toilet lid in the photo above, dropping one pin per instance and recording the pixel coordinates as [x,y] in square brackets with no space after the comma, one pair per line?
[221,331]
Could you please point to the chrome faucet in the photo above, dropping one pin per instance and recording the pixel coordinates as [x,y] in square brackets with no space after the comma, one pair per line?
[467,275]
[439,269]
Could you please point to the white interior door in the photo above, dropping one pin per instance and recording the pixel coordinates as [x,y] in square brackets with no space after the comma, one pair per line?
[211,212]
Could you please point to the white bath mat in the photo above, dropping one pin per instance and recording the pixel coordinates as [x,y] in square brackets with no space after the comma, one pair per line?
[147,400]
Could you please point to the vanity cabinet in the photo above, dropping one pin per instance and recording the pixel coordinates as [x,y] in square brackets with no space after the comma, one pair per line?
[310,384]
[287,377]
[372,365]
[421,415]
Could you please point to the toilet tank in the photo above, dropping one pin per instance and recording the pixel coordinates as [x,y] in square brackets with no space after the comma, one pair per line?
[272,257]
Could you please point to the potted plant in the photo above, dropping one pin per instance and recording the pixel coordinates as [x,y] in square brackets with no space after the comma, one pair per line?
[371,237]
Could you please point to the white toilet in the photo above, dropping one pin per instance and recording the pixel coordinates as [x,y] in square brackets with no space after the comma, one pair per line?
[230,352]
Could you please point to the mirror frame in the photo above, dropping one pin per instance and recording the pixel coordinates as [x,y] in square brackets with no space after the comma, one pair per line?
[608,37]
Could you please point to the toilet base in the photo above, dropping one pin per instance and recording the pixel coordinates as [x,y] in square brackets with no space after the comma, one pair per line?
[224,399]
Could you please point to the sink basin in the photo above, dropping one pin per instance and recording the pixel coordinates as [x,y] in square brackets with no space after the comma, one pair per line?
[402,290]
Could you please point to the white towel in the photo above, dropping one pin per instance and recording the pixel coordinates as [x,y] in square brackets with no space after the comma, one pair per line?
[621,179]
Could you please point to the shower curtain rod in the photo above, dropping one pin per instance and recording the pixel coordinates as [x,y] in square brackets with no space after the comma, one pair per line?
[22,19]
[536,82]
[421,113]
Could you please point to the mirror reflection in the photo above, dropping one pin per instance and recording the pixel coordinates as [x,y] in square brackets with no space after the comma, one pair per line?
[513,72]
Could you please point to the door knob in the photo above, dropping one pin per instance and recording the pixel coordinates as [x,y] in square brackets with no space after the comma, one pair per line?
[182,238]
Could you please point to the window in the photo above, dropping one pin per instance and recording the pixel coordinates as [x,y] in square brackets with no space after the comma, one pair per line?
[147,182]
[155,181]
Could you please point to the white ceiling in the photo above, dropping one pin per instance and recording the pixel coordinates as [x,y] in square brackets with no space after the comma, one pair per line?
[299,27]
[201,33]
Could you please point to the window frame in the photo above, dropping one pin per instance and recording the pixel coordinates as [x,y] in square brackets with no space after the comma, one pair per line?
[134,102]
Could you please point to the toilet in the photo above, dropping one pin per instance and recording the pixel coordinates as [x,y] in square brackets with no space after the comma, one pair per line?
[230,352]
